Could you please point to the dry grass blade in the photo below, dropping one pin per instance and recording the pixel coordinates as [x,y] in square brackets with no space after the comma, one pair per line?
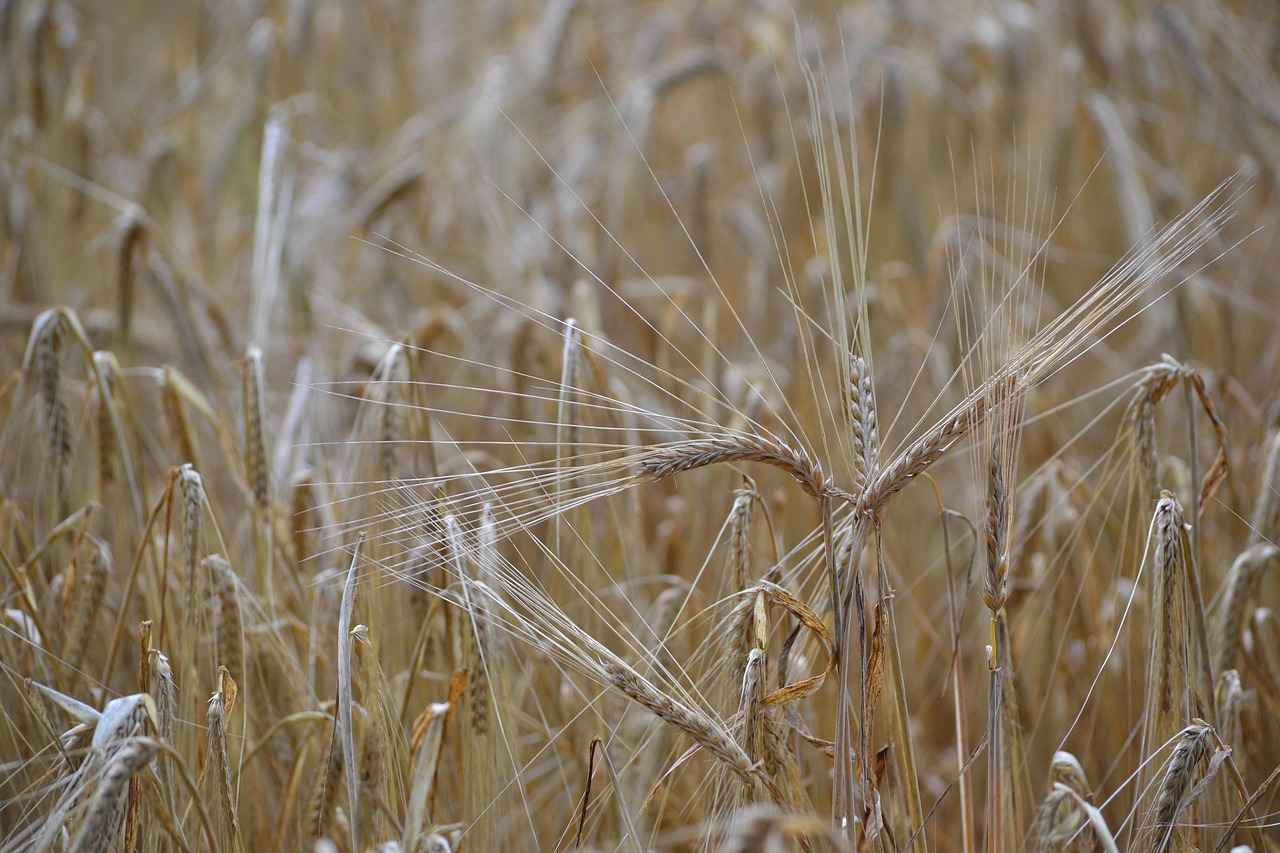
[344,722]
[428,739]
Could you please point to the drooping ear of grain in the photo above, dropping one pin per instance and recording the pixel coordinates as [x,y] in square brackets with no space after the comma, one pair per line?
[699,452]
[1243,582]
[105,809]
[171,397]
[1063,819]
[1190,768]
[43,363]
[131,240]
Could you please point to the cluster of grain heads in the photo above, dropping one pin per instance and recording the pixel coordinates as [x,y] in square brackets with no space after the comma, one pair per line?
[182,194]
[97,804]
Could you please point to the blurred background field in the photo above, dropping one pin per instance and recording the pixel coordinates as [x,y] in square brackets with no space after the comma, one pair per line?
[318,251]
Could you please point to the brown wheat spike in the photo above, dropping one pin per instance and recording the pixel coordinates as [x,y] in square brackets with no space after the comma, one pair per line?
[862,423]
[105,429]
[164,697]
[1167,700]
[697,725]
[699,452]
[740,538]
[304,517]
[176,414]
[230,627]
[324,794]
[1155,382]
[753,681]
[95,796]
[217,769]
[995,585]
[1061,823]
[927,449]
[1243,582]
[164,692]
[779,763]
[105,812]
[372,775]
[255,446]
[1005,759]
[1191,767]
[90,591]
[1229,699]
[191,486]
[131,232]
[1065,769]
[44,361]
[388,383]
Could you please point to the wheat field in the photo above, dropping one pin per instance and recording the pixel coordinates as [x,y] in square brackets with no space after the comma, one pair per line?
[632,426]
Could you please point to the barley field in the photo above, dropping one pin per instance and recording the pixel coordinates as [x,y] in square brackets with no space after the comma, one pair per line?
[611,425]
